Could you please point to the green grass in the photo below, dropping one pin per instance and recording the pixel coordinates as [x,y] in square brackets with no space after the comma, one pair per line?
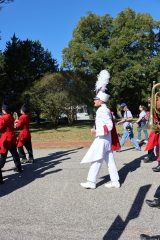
[78,132]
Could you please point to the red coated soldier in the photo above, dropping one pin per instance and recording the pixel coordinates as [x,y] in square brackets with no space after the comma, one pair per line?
[154,137]
[24,137]
[8,140]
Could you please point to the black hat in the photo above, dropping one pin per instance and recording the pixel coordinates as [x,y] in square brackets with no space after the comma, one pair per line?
[25,108]
[5,107]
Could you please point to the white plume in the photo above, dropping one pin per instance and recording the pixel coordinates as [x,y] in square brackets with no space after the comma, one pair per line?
[103,80]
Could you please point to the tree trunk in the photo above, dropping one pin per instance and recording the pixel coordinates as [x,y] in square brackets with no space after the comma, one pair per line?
[38,120]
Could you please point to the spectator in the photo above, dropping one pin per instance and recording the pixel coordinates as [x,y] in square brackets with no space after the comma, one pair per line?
[142,123]
[127,127]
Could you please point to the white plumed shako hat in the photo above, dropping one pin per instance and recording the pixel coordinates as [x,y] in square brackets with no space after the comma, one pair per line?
[102,96]
[101,83]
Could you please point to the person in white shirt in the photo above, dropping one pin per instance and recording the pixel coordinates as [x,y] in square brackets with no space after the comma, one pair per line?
[142,124]
[101,147]
[127,127]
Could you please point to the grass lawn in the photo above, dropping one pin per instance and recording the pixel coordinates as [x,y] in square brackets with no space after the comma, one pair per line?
[80,131]
[77,132]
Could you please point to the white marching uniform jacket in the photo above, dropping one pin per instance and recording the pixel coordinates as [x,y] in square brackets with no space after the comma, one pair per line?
[103,141]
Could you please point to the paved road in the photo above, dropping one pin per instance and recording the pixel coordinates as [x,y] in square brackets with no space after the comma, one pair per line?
[46,202]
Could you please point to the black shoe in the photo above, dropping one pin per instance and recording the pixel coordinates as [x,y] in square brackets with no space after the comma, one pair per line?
[1,176]
[18,170]
[146,237]
[30,160]
[118,150]
[154,203]
[1,181]
[24,160]
[156,169]
[149,159]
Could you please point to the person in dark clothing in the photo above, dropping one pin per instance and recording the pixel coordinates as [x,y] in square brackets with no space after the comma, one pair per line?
[8,140]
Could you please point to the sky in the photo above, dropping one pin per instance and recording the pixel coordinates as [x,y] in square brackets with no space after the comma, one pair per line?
[53,21]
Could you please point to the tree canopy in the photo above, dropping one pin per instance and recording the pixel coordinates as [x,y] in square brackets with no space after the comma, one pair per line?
[58,93]
[22,63]
[128,46]
[87,50]
[26,61]
[4,2]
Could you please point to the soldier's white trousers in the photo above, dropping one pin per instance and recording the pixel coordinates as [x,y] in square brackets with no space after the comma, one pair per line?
[95,167]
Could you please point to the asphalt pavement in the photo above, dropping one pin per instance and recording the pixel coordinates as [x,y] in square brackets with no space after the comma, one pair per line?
[46,201]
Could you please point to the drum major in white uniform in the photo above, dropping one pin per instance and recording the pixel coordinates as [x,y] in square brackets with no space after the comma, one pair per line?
[101,147]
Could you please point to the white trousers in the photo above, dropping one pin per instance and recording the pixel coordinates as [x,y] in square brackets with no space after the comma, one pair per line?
[96,166]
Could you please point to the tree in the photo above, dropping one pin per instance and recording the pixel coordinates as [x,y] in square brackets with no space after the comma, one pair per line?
[87,50]
[79,87]
[133,48]
[128,46]
[48,96]
[4,2]
[1,61]
[2,76]
[25,62]
[56,94]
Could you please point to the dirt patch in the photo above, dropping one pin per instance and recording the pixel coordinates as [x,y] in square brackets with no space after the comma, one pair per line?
[66,144]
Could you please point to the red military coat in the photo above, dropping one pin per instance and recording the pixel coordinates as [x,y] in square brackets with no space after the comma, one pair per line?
[153,139]
[23,125]
[8,137]
[115,140]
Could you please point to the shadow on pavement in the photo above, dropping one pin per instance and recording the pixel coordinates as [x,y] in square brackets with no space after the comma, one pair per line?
[130,167]
[124,171]
[157,193]
[118,226]
[40,168]
[127,149]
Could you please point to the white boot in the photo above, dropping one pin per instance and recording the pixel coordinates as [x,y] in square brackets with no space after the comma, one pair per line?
[112,185]
[88,185]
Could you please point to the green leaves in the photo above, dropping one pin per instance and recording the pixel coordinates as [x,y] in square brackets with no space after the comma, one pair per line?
[56,94]
[4,2]
[128,46]
[25,62]
[90,41]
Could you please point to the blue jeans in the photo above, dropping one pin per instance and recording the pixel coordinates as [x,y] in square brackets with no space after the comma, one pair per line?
[144,128]
[125,136]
